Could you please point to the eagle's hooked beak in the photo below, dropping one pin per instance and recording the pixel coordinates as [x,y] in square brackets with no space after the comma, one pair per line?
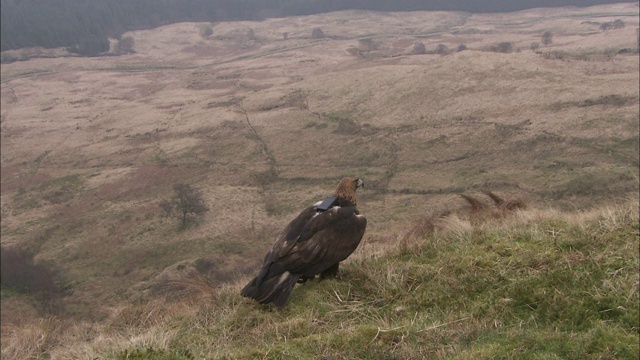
[359,183]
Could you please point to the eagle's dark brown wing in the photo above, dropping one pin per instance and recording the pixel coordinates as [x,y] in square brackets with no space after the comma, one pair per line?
[319,242]
[313,242]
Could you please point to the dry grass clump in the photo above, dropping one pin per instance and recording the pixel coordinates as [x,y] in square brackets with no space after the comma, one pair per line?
[146,326]
[481,212]
[615,217]
[421,229]
[506,205]
[458,222]
[33,340]
[177,287]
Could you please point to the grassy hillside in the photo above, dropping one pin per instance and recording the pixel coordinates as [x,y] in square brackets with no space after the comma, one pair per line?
[264,118]
[536,284]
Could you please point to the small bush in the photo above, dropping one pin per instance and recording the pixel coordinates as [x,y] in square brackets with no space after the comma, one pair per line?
[317,33]
[617,24]
[419,49]
[503,47]
[535,46]
[547,38]
[205,31]
[367,44]
[441,49]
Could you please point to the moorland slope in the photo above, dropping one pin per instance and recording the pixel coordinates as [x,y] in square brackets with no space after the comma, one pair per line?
[264,117]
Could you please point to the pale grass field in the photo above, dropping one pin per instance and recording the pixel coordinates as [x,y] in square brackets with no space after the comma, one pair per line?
[91,145]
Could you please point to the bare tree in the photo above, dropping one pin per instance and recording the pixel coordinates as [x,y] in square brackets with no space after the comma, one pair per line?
[205,31]
[617,24]
[535,46]
[505,47]
[186,201]
[317,33]
[547,38]
[251,34]
[419,48]
[441,49]
[368,44]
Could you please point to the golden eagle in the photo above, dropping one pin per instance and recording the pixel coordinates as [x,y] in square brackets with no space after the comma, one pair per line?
[313,243]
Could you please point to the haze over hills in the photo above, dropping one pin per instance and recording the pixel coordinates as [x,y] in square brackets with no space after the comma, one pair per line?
[265,116]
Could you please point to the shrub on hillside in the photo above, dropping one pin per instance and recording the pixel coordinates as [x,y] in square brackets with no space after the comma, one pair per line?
[535,46]
[441,49]
[205,31]
[547,38]
[21,273]
[317,33]
[186,201]
[368,44]
[503,47]
[419,49]
[617,24]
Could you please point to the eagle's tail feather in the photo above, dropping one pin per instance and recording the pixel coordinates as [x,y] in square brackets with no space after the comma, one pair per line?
[276,289]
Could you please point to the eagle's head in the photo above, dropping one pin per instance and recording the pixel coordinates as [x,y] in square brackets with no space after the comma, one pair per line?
[346,191]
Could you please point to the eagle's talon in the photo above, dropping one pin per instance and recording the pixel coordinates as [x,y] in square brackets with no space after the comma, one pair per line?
[304,279]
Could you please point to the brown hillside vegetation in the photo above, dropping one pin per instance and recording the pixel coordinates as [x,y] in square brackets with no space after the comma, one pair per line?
[263,124]
[536,283]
